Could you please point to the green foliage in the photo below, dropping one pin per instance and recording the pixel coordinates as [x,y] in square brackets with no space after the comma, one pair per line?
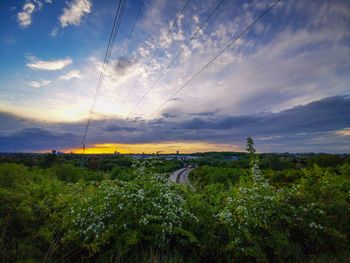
[68,173]
[256,217]
[276,163]
[288,210]
[323,201]
[122,162]
[285,177]
[345,170]
[325,160]
[206,175]
[27,205]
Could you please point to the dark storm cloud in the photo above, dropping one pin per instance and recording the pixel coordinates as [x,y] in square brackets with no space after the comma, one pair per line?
[205,113]
[116,127]
[36,139]
[9,122]
[219,122]
[324,115]
[168,115]
[309,127]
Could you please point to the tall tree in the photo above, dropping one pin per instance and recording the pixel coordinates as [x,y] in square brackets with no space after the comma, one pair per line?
[250,145]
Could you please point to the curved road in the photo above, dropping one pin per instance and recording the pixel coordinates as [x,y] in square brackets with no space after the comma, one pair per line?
[181,176]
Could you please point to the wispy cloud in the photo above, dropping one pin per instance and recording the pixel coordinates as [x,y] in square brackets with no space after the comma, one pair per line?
[37,64]
[75,11]
[39,83]
[239,81]
[73,74]
[54,32]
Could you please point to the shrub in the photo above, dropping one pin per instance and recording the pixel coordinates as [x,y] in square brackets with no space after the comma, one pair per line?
[120,215]
[257,218]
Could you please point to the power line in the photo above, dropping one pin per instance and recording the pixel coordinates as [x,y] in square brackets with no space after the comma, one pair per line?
[177,55]
[211,60]
[157,49]
[115,29]
[126,46]
[132,28]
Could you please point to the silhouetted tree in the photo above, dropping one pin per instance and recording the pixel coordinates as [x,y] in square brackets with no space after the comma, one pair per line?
[250,145]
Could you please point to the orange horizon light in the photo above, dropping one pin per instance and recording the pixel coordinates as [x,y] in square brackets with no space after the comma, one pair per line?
[149,148]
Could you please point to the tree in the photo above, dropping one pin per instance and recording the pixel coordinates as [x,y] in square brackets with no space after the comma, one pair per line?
[250,145]
[254,161]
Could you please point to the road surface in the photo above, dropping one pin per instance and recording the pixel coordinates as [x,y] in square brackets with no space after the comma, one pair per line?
[181,176]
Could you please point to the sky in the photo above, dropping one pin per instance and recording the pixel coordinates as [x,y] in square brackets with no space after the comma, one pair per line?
[285,82]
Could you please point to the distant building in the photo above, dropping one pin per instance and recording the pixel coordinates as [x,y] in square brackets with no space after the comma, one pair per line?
[164,156]
[55,152]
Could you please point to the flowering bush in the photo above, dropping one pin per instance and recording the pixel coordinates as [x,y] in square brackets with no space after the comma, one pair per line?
[321,203]
[147,208]
[279,225]
[257,218]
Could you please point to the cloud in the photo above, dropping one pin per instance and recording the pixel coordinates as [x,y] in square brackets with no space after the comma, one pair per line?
[239,81]
[120,72]
[168,115]
[75,11]
[11,122]
[205,113]
[122,65]
[41,83]
[37,139]
[292,128]
[54,32]
[115,127]
[38,84]
[36,64]
[298,55]
[344,132]
[25,134]
[71,75]
[317,126]
[322,115]
[25,17]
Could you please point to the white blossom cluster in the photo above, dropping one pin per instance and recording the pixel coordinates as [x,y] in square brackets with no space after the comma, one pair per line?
[256,172]
[116,207]
[251,208]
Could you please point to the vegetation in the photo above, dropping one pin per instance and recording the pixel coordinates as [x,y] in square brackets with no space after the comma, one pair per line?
[259,208]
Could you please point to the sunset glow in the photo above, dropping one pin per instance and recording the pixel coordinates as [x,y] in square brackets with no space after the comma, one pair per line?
[345,132]
[165,147]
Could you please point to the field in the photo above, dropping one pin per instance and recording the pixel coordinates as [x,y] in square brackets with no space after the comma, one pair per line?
[240,207]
